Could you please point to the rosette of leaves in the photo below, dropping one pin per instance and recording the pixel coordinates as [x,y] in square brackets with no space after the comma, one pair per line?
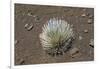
[57,36]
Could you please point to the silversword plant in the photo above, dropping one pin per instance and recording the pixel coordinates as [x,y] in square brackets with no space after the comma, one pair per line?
[56,36]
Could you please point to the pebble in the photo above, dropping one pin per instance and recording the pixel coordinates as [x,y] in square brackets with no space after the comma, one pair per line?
[21,61]
[34,16]
[80,37]
[59,53]
[16,41]
[28,27]
[37,18]
[90,16]
[29,14]
[89,21]
[83,15]
[91,43]
[74,51]
[85,31]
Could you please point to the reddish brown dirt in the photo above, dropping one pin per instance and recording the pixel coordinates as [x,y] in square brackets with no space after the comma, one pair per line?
[28,49]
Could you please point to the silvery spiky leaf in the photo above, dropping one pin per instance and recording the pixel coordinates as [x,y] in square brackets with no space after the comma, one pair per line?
[56,36]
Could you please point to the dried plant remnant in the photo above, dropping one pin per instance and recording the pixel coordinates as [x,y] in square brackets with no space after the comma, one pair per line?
[56,37]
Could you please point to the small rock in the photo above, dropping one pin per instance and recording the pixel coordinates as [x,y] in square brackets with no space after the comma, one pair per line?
[76,55]
[74,51]
[21,61]
[59,53]
[37,18]
[34,16]
[89,21]
[29,14]
[83,15]
[28,27]
[85,31]
[90,16]
[91,43]
[16,41]
[80,37]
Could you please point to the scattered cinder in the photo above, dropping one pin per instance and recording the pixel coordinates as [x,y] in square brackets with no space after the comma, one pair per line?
[80,37]
[85,31]
[21,61]
[89,21]
[28,27]
[29,14]
[16,42]
[83,15]
[91,43]
[60,53]
[74,52]
[37,18]
[55,52]
[90,16]
[34,16]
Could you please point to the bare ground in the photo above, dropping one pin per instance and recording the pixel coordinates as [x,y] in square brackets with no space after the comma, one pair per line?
[28,49]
